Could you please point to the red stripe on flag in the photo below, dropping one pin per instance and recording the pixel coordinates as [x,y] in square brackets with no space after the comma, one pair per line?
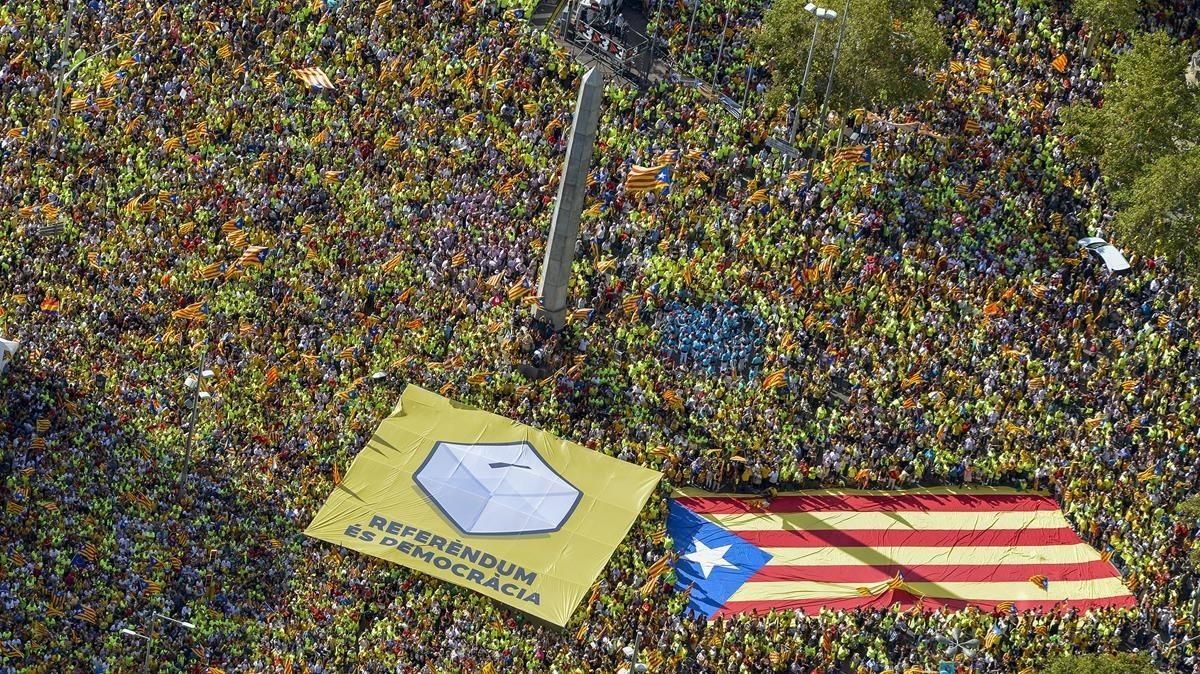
[798,503]
[907,601]
[935,573]
[878,538]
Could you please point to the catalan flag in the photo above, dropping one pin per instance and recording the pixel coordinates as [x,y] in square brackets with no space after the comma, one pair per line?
[90,553]
[1060,63]
[271,377]
[774,380]
[841,549]
[192,312]
[517,291]
[392,263]
[854,155]
[196,135]
[88,615]
[42,425]
[209,272]
[253,256]
[314,77]
[645,178]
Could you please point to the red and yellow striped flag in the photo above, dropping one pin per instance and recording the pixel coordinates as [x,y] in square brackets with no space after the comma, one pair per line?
[192,312]
[1060,63]
[643,178]
[991,548]
[313,77]
[776,379]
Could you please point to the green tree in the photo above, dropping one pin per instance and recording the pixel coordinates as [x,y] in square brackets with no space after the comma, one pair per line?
[888,49]
[1122,663]
[1189,511]
[1143,137]
[1108,15]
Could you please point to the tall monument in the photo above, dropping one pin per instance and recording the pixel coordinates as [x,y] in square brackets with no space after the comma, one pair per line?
[572,188]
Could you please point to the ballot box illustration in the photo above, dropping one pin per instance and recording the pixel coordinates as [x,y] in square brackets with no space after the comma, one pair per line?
[500,489]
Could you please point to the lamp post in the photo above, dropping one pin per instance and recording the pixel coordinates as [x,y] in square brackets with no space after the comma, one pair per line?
[64,41]
[149,640]
[181,623]
[820,14]
[196,384]
[654,38]
[720,54]
[837,48]
[691,24]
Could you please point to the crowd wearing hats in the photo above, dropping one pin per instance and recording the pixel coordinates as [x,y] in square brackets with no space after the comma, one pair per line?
[319,202]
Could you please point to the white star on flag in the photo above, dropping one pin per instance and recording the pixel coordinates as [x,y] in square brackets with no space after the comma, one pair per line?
[709,558]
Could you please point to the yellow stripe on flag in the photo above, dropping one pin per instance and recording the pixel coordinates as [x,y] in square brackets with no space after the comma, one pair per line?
[972,591]
[887,521]
[965,555]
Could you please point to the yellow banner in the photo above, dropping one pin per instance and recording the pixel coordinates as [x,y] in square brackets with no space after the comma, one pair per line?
[485,502]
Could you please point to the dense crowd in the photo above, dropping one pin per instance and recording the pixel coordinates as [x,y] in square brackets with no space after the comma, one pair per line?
[932,317]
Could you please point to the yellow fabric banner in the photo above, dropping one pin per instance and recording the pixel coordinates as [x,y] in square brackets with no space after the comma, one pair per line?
[485,502]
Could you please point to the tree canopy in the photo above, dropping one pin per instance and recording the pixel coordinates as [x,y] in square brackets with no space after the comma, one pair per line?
[1144,138]
[888,45]
[1109,15]
[1122,663]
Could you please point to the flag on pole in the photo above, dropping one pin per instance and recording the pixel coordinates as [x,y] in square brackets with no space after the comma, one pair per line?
[991,548]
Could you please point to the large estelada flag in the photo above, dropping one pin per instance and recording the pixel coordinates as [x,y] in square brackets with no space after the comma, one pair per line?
[992,548]
[485,502]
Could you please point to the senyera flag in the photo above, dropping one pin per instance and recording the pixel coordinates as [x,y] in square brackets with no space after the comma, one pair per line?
[991,548]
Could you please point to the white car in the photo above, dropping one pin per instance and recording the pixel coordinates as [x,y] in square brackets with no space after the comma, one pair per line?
[1108,253]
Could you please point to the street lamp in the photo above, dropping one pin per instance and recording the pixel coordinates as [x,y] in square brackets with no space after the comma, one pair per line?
[837,48]
[194,382]
[61,76]
[181,623]
[820,14]
[149,639]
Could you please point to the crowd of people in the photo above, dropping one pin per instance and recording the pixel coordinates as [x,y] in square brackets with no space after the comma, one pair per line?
[197,206]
